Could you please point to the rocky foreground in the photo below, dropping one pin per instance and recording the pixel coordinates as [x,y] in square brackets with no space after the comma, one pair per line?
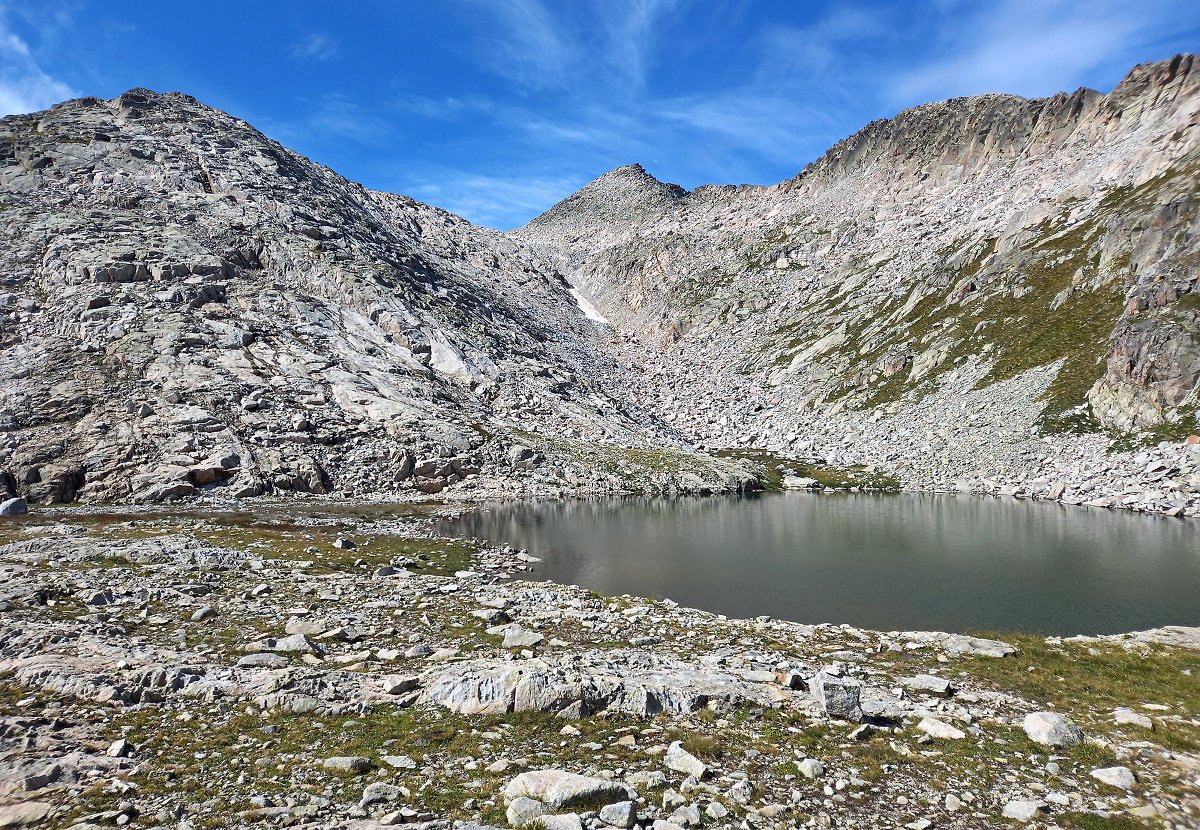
[343,668]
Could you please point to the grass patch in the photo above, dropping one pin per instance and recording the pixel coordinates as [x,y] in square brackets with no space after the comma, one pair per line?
[218,759]
[643,470]
[770,469]
[1169,431]
[296,535]
[1090,821]
[1080,678]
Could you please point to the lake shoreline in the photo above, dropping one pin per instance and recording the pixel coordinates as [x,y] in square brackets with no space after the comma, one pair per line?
[424,683]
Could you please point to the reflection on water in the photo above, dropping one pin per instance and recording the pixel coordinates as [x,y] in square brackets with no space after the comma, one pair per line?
[949,563]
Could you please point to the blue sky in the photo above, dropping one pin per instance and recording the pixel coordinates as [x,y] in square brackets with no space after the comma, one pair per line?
[495,109]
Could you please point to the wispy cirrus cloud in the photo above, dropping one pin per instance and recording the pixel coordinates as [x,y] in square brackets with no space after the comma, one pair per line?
[574,46]
[759,121]
[315,47]
[631,36]
[1036,47]
[329,120]
[592,85]
[496,108]
[446,108]
[24,85]
[530,47]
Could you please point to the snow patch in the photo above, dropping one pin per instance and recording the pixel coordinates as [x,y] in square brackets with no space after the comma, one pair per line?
[588,309]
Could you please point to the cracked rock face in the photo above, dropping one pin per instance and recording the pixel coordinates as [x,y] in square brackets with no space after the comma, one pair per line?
[189,307]
[586,684]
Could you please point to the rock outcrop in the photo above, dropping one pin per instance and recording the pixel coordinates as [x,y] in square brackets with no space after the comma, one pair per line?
[992,294]
[189,307]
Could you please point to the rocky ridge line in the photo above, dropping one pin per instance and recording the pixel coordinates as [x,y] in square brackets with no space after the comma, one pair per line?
[992,293]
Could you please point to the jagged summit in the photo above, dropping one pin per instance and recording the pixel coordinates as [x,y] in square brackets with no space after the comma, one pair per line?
[970,133]
[1031,260]
[621,195]
[965,133]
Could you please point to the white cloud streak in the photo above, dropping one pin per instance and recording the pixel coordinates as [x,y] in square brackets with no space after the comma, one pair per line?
[583,86]
[1037,47]
[314,48]
[24,85]
[531,48]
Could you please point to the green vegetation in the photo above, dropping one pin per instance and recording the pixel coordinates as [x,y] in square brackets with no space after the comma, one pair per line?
[768,468]
[301,534]
[1023,311]
[1176,430]
[1091,821]
[1096,678]
[771,469]
[639,469]
[1035,317]
[864,478]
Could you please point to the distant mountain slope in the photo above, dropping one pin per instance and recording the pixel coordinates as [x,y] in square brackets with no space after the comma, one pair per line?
[188,305]
[932,295]
[987,293]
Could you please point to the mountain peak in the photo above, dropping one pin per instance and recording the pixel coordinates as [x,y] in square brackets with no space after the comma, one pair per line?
[622,195]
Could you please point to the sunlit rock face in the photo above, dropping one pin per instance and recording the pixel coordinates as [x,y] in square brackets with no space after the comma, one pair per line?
[190,307]
[934,294]
[976,294]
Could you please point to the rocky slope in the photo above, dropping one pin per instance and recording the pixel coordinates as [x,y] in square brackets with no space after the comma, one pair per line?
[991,293]
[205,670]
[981,292]
[188,306]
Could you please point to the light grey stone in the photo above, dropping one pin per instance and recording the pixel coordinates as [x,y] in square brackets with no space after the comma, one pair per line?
[379,792]
[680,760]
[929,683]
[1052,729]
[935,728]
[811,768]
[1023,809]
[517,637]
[347,763]
[622,814]
[13,507]
[523,810]
[1121,777]
[395,684]
[558,789]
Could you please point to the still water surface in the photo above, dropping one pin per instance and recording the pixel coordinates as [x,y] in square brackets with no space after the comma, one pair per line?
[890,562]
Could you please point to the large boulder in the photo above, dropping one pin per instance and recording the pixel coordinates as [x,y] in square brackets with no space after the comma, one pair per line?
[636,684]
[838,696]
[1052,729]
[558,789]
[13,507]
